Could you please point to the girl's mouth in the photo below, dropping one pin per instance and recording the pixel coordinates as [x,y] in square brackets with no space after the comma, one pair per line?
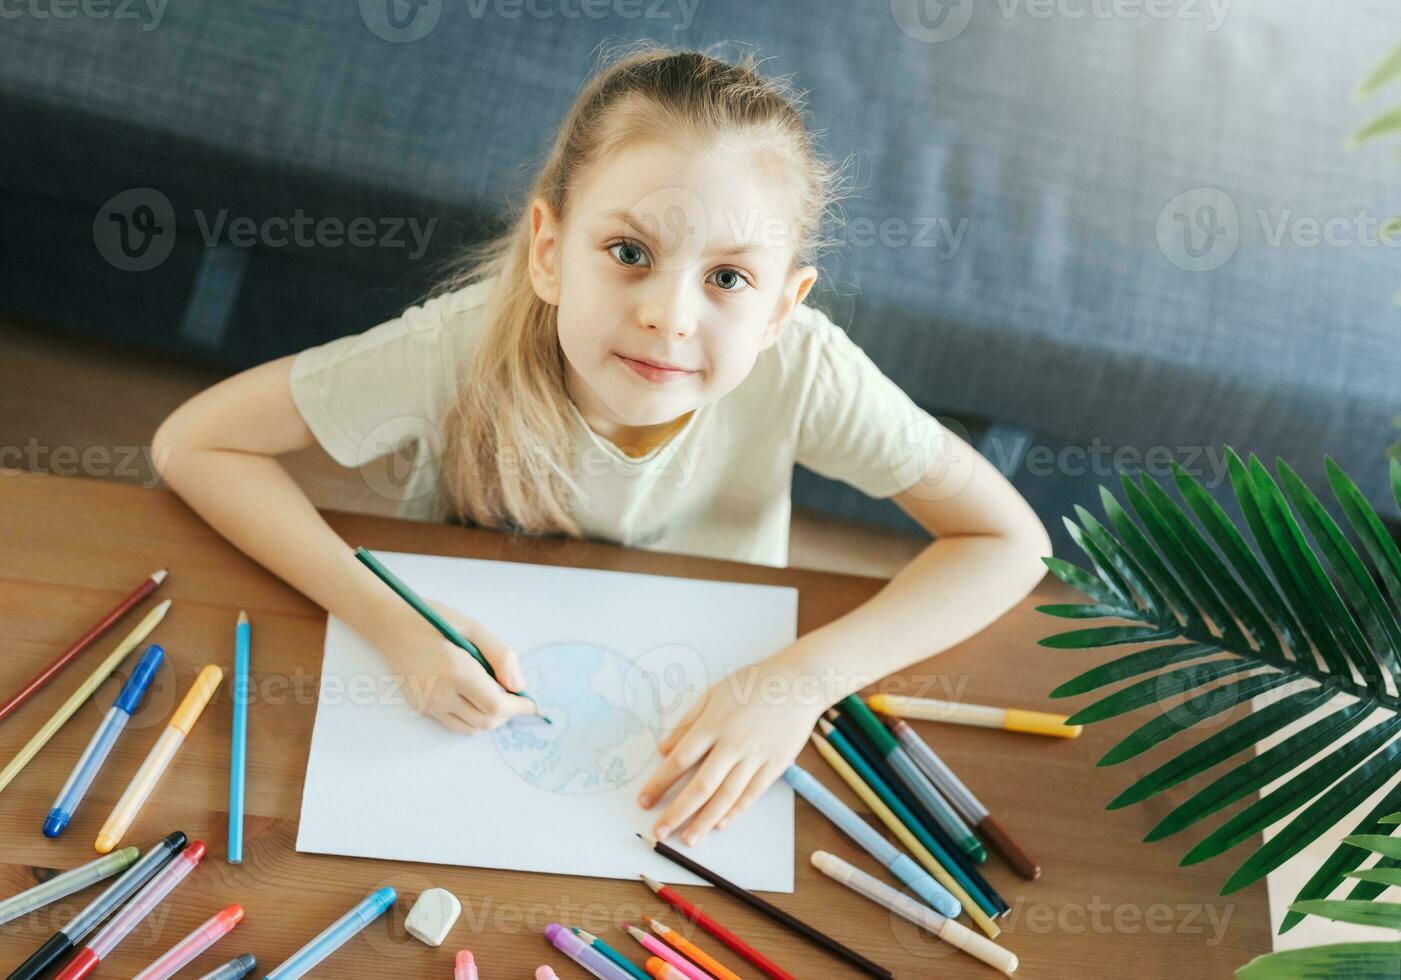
[651,372]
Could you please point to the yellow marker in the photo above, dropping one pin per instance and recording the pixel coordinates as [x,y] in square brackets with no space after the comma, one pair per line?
[75,701]
[159,758]
[980,715]
[898,828]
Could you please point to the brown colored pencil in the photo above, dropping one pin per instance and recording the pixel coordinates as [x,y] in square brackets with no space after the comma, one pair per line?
[772,911]
[83,642]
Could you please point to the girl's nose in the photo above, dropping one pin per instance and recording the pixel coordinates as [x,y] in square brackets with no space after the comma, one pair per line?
[672,307]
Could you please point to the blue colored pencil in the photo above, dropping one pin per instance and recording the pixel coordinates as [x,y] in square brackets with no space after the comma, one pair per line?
[238,757]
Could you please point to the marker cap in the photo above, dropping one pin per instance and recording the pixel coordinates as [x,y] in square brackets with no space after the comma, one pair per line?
[197,697]
[135,687]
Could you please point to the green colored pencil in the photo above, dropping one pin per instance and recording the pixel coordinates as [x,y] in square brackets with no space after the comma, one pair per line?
[430,614]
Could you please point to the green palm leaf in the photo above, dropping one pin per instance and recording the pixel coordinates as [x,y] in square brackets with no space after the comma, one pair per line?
[1381,959]
[1288,599]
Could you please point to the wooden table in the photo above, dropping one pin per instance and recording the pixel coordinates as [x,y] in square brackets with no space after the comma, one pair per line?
[1106,905]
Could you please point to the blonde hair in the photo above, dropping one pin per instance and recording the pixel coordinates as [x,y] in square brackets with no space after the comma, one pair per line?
[507,437]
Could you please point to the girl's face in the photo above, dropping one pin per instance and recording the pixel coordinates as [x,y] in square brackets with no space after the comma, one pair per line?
[671,274]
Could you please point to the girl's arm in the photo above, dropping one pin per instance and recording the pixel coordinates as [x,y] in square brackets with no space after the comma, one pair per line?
[986,558]
[217,451]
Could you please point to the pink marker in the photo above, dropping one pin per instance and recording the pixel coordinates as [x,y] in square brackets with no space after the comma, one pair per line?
[141,905]
[192,945]
[465,968]
[543,972]
[658,948]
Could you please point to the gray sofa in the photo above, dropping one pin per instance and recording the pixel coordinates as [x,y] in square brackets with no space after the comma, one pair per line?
[1090,232]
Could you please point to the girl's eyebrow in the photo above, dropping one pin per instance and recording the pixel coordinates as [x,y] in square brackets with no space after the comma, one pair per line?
[736,248]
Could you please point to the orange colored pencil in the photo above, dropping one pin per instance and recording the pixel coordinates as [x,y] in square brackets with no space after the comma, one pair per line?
[690,950]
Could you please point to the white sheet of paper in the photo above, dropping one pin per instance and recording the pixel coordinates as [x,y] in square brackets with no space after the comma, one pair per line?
[615,659]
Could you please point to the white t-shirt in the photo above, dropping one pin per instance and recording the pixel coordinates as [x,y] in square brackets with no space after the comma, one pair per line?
[719,487]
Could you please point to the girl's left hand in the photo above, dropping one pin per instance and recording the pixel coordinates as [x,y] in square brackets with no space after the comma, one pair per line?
[742,737]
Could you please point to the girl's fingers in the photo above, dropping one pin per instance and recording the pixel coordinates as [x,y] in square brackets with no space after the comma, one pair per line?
[488,706]
[682,727]
[683,756]
[721,803]
[496,651]
[698,789]
[457,723]
[762,780]
[501,656]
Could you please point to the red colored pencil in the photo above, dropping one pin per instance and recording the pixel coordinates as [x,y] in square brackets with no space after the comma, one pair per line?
[751,954]
[86,640]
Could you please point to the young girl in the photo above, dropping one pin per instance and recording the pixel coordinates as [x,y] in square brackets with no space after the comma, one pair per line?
[631,362]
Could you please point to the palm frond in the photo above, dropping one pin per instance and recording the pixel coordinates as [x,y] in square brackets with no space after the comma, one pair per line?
[1369,959]
[1284,602]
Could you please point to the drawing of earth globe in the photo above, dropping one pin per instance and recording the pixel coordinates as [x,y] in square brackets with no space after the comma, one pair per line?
[597,743]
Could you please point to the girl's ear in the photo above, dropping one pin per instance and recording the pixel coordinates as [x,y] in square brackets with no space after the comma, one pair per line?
[544,251]
[800,281]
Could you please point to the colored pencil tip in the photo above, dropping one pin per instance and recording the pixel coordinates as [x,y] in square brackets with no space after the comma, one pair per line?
[830,713]
[634,932]
[587,937]
[659,928]
[165,605]
[651,841]
[159,577]
[826,726]
[242,618]
[656,886]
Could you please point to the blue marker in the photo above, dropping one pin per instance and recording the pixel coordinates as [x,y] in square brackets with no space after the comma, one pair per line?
[935,895]
[102,741]
[239,754]
[337,934]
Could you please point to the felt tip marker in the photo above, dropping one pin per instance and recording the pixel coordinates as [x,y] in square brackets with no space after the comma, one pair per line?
[235,969]
[113,724]
[204,936]
[113,895]
[336,935]
[142,904]
[67,883]
[159,758]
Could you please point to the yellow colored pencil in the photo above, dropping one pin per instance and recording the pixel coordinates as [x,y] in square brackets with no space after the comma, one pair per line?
[85,690]
[898,828]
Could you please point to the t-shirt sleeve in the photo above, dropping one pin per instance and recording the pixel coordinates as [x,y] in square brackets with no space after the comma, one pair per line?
[857,425]
[365,395]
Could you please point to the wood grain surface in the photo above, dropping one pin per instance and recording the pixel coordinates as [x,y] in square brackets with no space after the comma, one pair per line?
[70,548]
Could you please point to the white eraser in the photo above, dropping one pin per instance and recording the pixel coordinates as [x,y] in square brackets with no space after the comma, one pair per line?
[433,915]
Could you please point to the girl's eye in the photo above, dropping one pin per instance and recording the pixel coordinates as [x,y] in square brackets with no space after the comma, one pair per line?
[632,248]
[733,282]
[634,256]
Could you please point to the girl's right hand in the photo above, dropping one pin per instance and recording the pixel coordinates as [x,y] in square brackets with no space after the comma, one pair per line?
[445,682]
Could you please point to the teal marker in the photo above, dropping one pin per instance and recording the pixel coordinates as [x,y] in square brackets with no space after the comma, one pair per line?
[913,777]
